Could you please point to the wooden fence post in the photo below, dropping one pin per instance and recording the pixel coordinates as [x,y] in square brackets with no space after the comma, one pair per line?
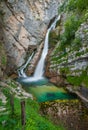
[23,116]
[12,104]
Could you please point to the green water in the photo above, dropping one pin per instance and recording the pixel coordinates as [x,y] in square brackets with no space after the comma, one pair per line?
[49,93]
[43,91]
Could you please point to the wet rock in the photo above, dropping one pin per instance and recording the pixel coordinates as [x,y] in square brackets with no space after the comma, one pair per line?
[35,59]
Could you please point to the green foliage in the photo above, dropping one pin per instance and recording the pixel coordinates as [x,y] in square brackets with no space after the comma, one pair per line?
[40,123]
[71,25]
[79,53]
[71,6]
[75,5]
[85,15]
[85,81]
[12,84]
[75,12]
[79,80]
[78,14]
[34,121]
[3,60]
[64,70]
[6,92]
[77,42]
[68,36]
[1,102]
[63,7]
[75,80]
[9,121]
[82,5]
[53,39]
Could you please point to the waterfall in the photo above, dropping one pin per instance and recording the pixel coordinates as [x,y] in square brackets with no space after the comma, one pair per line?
[40,67]
[39,71]
[21,72]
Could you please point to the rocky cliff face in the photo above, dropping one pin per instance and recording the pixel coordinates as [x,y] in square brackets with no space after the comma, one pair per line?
[25,23]
[3,56]
[3,60]
[68,62]
[73,59]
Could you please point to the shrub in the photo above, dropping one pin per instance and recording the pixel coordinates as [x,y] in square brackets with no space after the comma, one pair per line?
[69,34]
[71,25]
[34,121]
[3,60]
[82,5]
[86,15]
[78,80]
[77,5]
[63,6]
[71,6]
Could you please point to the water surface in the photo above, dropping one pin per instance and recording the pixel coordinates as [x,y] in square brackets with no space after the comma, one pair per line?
[43,90]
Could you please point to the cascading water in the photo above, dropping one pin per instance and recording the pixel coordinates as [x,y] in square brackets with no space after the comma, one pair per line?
[40,67]
[39,71]
[21,72]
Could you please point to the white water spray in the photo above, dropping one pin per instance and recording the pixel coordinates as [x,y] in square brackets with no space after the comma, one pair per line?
[40,67]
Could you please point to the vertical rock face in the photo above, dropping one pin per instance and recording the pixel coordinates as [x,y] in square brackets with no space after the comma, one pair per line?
[73,59]
[25,24]
[3,57]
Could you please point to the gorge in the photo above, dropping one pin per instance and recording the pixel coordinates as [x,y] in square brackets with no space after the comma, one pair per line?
[38,76]
[61,68]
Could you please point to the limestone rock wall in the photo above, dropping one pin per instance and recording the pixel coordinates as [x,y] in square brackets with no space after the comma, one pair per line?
[73,59]
[3,56]
[3,60]
[25,23]
[70,59]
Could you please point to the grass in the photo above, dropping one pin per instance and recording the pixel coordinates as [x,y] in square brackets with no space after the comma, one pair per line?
[34,121]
